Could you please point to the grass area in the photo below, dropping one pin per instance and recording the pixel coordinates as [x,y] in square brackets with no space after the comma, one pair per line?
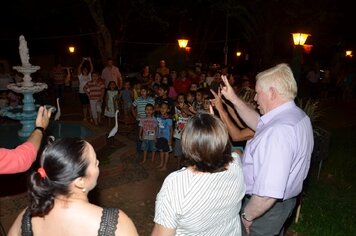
[329,205]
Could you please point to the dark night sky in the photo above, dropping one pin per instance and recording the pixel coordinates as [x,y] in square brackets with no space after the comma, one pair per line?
[49,30]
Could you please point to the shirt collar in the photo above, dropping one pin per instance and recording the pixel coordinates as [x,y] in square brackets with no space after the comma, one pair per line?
[271,114]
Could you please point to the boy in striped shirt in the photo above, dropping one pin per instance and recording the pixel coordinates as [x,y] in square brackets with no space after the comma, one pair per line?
[95,89]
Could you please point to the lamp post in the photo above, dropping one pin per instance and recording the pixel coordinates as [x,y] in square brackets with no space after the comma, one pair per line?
[183,44]
[299,41]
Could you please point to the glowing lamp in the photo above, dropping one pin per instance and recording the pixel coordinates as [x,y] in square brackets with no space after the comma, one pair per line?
[183,43]
[299,38]
[307,48]
[238,54]
[71,49]
[348,53]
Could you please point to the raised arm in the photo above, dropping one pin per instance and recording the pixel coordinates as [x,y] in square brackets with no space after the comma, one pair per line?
[91,65]
[79,69]
[232,113]
[42,121]
[248,115]
[235,132]
[21,158]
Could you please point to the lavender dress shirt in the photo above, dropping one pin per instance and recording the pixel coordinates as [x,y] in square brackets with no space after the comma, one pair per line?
[277,160]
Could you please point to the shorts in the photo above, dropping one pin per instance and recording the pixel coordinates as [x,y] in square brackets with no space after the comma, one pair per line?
[83,97]
[178,148]
[148,145]
[162,145]
[95,107]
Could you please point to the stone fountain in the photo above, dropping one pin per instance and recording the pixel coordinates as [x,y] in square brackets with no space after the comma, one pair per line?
[26,113]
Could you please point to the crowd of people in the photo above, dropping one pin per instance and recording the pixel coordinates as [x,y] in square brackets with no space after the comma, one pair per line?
[242,151]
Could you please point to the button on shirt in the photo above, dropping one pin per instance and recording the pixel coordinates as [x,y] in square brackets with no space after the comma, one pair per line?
[277,160]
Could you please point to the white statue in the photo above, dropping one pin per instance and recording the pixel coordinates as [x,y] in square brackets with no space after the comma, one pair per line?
[23,49]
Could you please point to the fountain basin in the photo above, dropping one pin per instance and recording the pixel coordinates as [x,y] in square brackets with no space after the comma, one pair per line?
[10,139]
[26,116]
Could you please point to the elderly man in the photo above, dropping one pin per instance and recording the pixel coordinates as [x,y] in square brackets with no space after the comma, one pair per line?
[276,160]
[21,158]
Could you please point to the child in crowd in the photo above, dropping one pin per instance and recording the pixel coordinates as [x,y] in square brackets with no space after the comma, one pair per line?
[163,98]
[148,131]
[136,91]
[84,76]
[182,120]
[95,90]
[181,106]
[164,137]
[190,98]
[126,96]
[139,105]
[171,90]
[206,105]
[193,87]
[138,110]
[111,100]
[199,100]
[202,81]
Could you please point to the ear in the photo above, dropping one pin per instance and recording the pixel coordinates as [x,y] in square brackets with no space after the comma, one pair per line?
[79,182]
[272,93]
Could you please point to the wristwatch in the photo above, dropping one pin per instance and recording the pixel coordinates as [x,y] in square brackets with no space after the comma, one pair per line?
[40,129]
[243,215]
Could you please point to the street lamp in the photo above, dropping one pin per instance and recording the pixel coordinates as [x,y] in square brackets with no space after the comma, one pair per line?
[348,53]
[300,38]
[299,41]
[71,49]
[183,43]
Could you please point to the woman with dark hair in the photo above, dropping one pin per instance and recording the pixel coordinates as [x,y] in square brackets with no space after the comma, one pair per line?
[203,198]
[58,194]
[145,77]
[171,91]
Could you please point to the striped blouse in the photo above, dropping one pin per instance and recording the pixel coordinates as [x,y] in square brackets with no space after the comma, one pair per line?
[202,203]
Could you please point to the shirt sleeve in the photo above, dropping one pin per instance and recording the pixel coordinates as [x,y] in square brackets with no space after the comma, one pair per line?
[17,160]
[165,213]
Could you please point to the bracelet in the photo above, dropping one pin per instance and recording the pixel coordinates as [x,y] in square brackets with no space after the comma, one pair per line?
[40,129]
[243,215]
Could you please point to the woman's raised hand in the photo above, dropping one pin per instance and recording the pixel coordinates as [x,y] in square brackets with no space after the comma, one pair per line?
[227,90]
[217,101]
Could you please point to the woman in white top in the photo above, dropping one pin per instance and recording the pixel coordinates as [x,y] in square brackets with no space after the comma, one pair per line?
[84,76]
[205,197]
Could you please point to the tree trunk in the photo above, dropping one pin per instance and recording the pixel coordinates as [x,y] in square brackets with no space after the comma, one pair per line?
[104,36]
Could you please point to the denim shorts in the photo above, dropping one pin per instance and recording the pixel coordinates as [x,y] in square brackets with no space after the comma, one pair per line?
[148,145]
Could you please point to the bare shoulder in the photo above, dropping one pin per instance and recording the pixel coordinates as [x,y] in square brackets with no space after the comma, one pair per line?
[125,225]
[15,229]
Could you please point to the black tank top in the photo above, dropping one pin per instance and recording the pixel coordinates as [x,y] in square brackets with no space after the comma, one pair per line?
[108,222]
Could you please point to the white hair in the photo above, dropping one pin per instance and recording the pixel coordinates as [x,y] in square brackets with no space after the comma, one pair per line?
[279,77]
